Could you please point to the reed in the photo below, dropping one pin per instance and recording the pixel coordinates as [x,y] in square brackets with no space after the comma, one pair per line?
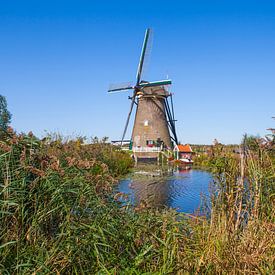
[59,214]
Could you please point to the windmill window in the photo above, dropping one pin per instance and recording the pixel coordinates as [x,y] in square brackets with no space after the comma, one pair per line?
[146,122]
[150,143]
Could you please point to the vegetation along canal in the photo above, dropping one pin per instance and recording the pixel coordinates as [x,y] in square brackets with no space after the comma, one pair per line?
[181,189]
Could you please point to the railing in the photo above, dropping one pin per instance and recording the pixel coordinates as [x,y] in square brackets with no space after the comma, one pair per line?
[147,149]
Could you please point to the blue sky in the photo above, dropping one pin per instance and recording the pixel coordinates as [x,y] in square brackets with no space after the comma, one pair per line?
[57,59]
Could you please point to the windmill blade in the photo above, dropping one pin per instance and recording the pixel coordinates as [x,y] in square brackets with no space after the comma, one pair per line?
[128,118]
[120,87]
[147,57]
[171,121]
[144,52]
[172,106]
[156,83]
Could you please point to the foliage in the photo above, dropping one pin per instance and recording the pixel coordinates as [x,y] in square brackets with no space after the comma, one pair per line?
[5,115]
[59,214]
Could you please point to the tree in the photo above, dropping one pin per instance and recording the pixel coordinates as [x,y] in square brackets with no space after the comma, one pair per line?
[5,115]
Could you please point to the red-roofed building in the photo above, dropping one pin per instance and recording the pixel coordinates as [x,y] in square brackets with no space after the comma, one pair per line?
[183,152]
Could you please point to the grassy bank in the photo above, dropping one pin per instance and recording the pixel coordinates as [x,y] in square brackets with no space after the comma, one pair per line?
[59,215]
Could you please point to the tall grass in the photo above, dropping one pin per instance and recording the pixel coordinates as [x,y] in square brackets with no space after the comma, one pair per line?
[241,231]
[58,214]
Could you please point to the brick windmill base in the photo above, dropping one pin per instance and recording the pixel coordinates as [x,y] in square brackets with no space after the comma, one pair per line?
[150,133]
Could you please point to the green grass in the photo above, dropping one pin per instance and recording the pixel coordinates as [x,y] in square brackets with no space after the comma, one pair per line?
[58,214]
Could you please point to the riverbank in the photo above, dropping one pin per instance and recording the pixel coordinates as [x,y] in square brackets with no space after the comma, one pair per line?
[59,215]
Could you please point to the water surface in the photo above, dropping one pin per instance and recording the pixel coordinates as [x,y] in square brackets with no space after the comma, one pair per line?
[182,189]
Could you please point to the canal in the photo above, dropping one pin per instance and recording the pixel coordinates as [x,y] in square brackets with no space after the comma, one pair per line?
[178,188]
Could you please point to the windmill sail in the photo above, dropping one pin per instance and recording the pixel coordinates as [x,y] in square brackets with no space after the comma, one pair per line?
[156,83]
[120,87]
[144,53]
[128,119]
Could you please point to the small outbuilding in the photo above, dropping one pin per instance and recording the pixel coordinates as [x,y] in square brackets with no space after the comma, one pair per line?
[183,152]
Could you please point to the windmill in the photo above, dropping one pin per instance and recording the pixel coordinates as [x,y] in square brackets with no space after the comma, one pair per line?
[154,124]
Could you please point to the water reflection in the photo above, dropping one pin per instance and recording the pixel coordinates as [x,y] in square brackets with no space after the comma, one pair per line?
[176,188]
